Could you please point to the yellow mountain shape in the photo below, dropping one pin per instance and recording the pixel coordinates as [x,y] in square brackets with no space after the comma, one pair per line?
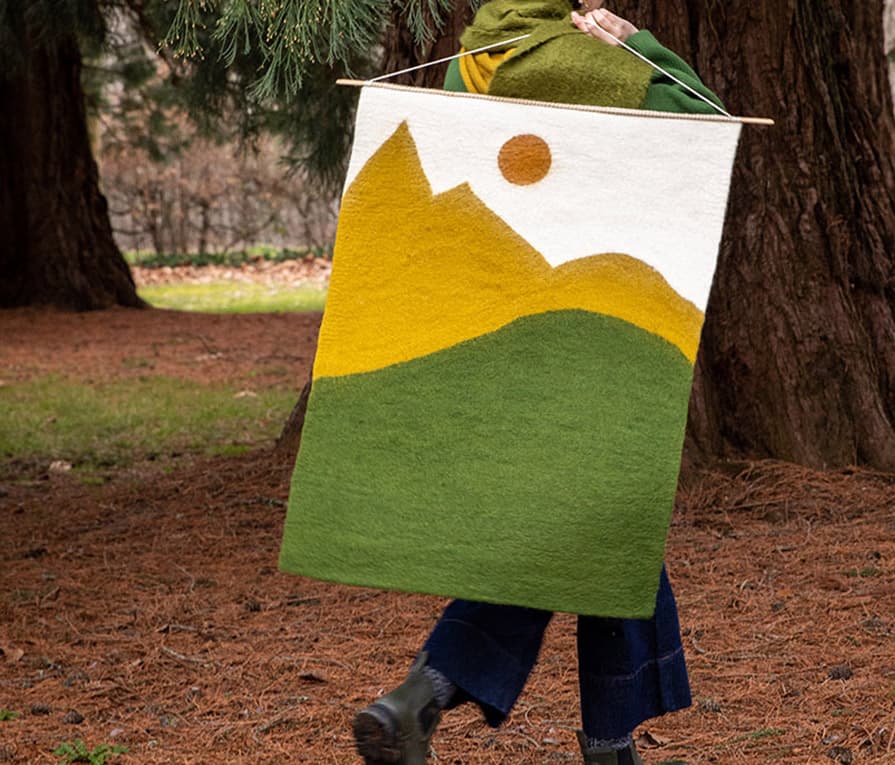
[416,273]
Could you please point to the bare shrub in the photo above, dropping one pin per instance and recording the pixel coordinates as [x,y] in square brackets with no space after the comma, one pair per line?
[212,197]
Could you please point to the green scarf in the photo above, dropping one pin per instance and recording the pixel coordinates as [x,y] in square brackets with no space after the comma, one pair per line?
[557,62]
[502,19]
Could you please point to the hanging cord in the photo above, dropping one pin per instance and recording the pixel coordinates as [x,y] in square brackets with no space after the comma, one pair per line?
[505,43]
[658,68]
[447,58]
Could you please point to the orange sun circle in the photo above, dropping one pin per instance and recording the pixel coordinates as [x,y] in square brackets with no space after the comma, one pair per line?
[524,159]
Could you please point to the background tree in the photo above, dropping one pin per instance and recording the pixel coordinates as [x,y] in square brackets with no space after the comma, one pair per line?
[798,354]
[213,197]
[56,244]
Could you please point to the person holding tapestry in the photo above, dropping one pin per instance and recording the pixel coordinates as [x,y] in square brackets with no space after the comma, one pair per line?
[630,670]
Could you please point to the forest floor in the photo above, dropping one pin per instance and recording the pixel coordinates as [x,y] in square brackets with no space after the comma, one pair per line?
[148,612]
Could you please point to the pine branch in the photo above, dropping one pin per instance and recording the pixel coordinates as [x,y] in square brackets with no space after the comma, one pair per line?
[271,65]
[291,36]
[183,35]
[425,18]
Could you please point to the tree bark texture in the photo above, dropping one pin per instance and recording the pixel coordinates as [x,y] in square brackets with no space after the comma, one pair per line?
[290,437]
[401,51]
[56,245]
[798,351]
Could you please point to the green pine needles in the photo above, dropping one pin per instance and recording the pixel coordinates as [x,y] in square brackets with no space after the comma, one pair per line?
[279,59]
[238,68]
[292,36]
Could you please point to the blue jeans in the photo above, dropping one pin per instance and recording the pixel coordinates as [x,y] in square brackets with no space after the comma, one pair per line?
[629,670]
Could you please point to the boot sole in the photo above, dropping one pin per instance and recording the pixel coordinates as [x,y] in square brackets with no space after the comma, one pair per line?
[376,736]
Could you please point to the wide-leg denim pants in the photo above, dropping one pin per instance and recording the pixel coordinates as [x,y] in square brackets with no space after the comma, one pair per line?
[629,670]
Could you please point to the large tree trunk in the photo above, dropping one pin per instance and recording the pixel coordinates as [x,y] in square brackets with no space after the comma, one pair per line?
[401,52]
[798,353]
[56,245]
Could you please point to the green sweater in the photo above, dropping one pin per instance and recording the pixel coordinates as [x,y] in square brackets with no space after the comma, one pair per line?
[558,63]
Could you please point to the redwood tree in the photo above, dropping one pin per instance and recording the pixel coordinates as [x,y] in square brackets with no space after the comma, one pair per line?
[402,49]
[56,245]
[798,354]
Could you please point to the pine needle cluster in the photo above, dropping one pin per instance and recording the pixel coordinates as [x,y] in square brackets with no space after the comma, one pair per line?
[240,67]
[285,56]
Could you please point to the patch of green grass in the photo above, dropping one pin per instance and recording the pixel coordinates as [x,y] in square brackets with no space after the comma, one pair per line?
[151,259]
[92,427]
[77,751]
[230,297]
[230,450]
[7,714]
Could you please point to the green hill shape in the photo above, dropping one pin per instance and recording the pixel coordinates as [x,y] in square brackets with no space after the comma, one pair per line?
[535,465]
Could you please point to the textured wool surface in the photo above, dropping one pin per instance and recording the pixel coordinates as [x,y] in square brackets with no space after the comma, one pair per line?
[589,68]
[651,188]
[527,466]
[664,94]
[440,298]
[473,74]
[556,63]
[489,420]
[476,70]
[559,64]
[499,20]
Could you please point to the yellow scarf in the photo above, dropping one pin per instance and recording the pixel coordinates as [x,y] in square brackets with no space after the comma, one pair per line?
[477,70]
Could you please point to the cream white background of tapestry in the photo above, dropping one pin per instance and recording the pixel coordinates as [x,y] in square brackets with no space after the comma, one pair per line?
[649,187]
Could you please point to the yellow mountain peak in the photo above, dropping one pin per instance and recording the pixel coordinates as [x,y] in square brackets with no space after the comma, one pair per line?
[415,273]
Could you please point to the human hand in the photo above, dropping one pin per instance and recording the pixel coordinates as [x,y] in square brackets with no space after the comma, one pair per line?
[597,21]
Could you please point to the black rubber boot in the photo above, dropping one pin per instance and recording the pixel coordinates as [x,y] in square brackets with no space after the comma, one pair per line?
[396,729]
[627,756]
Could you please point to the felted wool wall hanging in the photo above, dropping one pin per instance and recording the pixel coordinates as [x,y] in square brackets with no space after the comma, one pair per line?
[504,365]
